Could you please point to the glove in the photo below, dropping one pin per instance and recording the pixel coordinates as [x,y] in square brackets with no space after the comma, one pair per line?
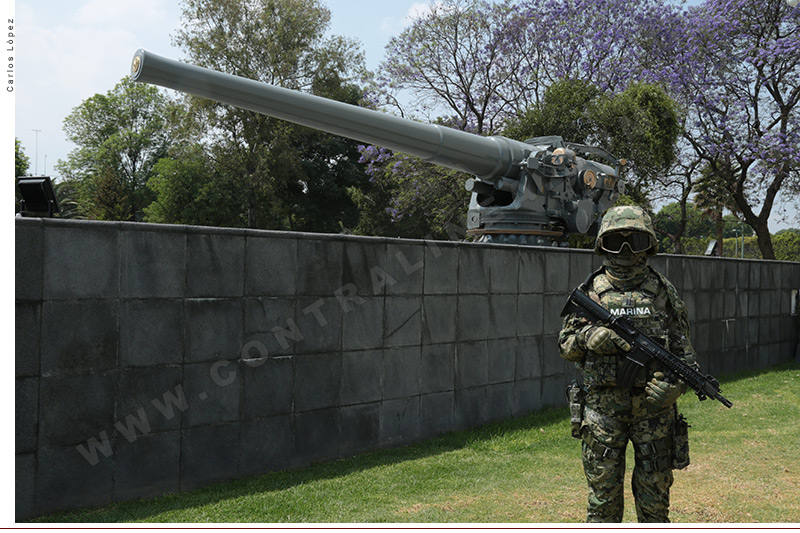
[660,392]
[604,341]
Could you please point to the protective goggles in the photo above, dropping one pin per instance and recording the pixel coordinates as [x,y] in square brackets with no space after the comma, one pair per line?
[636,241]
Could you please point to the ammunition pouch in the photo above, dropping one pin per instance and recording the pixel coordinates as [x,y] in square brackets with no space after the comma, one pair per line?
[655,456]
[601,370]
[680,444]
[600,450]
[576,398]
[668,453]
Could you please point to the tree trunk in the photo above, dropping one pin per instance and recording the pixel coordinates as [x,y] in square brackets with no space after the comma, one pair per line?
[677,244]
[764,238]
[760,222]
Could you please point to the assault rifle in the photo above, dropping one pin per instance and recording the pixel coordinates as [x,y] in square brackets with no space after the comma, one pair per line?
[644,348]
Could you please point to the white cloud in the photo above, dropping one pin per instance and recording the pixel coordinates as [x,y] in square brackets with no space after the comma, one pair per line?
[79,61]
[66,55]
[394,25]
[142,12]
[419,10]
[87,49]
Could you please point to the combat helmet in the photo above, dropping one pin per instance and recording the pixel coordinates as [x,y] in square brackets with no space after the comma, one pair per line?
[627,218]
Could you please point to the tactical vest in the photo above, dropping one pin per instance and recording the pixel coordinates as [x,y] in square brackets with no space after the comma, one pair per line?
[646,308]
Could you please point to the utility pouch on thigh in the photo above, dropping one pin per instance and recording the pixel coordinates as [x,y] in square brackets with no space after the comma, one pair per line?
[680,442]
[576,398]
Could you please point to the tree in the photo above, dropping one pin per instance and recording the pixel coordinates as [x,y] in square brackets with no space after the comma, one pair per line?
[787,245]
[277,168]
[66,195]
[483,62]
[737,70]
[454,62]
[21,161]
[688,229]
[676,223]
[120,135]
[190,190]
[568,108]
[532,68]
[21,165]
[713,197]
[642,124]
[608,43]
[331,174]
[424,200]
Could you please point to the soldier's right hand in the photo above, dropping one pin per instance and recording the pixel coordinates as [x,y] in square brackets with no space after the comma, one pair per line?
[605,341]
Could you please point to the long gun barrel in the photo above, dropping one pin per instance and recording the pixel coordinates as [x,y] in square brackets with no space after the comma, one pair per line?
[644,349]
[485,157]
[524,192]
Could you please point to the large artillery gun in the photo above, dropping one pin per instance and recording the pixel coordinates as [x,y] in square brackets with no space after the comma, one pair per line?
[532,192]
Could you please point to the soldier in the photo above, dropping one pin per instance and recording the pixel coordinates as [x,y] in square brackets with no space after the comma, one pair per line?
[645,414]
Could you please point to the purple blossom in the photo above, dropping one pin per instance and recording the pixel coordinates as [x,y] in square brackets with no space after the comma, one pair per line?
[732,65]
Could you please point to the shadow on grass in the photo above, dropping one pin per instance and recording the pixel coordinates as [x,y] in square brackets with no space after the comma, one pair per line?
[747,374]
[286,479]
[143,509]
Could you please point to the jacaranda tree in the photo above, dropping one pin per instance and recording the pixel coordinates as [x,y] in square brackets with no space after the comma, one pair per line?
[483,65]
[454,61]
[736,69]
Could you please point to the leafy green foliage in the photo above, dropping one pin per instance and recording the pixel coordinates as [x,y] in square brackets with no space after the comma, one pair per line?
[424,200]
[701,230]
[331,174]
[568,109]
[640,124]
[67,197]
[787,245]
[21,161]
[120,135]
[190,191]
[289,177]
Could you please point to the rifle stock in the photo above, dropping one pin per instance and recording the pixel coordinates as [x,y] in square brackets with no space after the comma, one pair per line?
[644,349]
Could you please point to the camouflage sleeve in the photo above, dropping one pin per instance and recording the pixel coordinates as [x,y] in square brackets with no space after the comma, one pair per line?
[572,339]
[679,329]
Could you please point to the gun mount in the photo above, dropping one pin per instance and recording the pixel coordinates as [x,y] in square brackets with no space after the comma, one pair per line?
[523,192]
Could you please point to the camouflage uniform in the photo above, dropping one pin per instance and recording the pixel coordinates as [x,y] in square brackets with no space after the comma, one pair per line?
[614,415]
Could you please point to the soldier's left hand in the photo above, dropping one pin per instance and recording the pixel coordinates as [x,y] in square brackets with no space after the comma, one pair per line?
[660,392]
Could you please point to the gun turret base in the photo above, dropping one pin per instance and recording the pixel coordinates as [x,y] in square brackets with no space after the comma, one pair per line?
[524,237]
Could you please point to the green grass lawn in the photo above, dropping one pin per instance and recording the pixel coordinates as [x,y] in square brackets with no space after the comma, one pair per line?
[745,468]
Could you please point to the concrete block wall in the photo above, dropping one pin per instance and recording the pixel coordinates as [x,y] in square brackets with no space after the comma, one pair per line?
[154,359]
[740,310]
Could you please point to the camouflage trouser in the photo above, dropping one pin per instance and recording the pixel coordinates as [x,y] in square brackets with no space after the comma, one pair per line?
[612,417]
